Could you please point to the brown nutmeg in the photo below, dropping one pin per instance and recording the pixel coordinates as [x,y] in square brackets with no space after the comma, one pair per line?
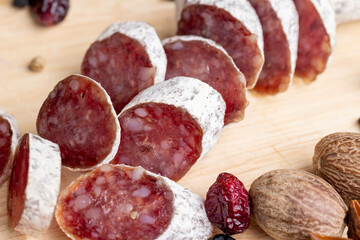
[321,237]
[337,160]
[291,204]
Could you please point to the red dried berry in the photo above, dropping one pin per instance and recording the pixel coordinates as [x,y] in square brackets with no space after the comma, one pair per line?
[49,12]
[227,204]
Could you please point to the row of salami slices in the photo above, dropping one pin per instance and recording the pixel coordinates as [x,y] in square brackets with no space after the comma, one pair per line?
[110,202]
[164,126]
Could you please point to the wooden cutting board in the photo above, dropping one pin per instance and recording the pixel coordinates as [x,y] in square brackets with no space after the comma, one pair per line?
[278,131]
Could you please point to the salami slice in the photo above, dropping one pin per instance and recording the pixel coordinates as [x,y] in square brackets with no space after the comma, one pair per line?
[121,202]
[9,136]
[280,24]
[231,23]
[34,185]
[79,116]
[346,10]
[316,37]
[169,126]
[207,61]
[127,58]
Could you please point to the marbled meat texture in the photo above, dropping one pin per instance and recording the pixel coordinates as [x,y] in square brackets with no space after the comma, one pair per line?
[316,37]
[201,58]
[78,115]
[231,23]
[9,137]
[127,58]
[121,202]
[161,138]
[169,122]
[280,24]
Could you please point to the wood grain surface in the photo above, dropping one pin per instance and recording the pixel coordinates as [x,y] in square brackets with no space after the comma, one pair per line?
[278,131]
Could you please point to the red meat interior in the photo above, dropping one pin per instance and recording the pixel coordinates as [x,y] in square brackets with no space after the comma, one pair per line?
[18,182]
[161,138]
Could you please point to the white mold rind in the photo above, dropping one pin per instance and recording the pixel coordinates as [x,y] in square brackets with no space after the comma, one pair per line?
[189,220]
[289,18]
[14,142]
[346,10]
[199,99]
[239,9]
[43,186]
[147,36]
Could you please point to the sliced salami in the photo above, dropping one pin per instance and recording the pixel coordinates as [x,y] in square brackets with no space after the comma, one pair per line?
[169,126]
[231,23]
[79,116]
[316,37]
[280,25]
[127,58]
[34,185]
[203,59]
[346,10]
[9,136]
[121,202]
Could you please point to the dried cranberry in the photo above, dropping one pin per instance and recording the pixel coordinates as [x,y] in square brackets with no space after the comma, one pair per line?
[20,3]
[49,12]
[227,204]
[222,237]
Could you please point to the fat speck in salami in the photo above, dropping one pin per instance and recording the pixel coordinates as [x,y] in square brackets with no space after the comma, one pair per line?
[119,202]
[169,126]
[127,58]
[34,185]
[79,116]
[207,61]
[316,37]
[231,23]
[280,24]
[9,136]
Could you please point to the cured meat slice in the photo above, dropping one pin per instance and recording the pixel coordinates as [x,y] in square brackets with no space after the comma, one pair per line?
[9,136]
[34,185]
[78,115]
[280,25]
[127,58]
[231,23]
[169,126]
[316,37]
[201,58]
[121,202]
[346,10]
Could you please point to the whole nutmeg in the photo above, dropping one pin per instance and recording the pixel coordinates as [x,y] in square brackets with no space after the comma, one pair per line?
[337,160]
[291,204]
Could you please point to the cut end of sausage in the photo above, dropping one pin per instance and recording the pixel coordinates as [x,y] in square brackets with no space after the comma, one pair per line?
[79,116]
[128,203]
[280,26]
[9,137]
[204,104]
[34,185]
[127,58]
[316,38]
[232,24]
[203,59]
[161,138]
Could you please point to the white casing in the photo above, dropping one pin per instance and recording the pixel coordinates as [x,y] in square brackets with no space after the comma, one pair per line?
[43,186]
[148,38]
